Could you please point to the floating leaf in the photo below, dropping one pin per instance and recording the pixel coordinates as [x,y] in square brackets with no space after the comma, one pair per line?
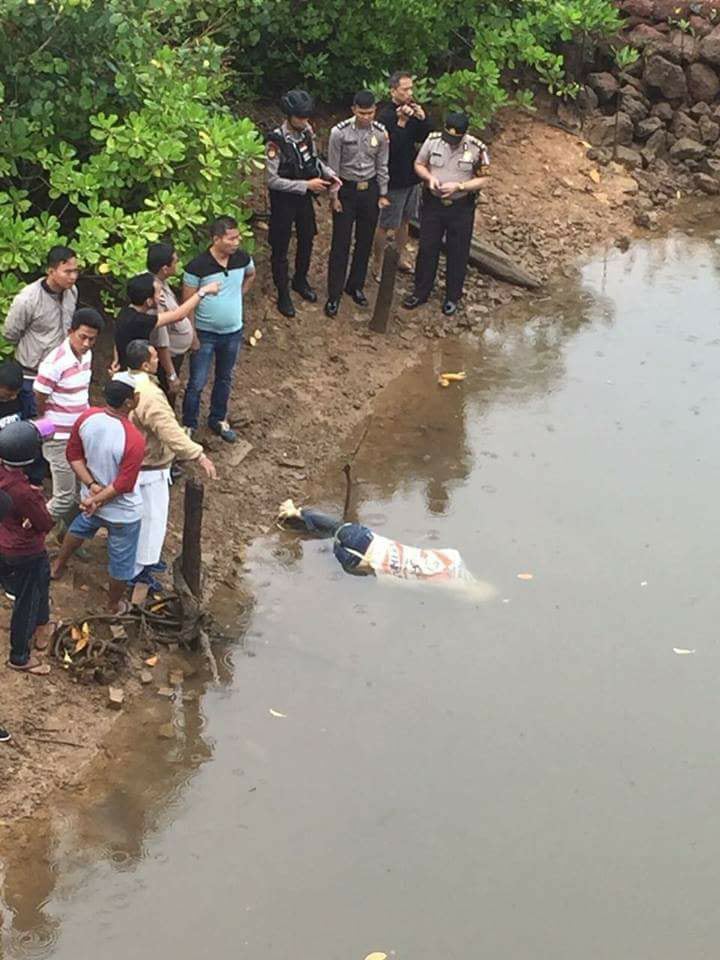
[681,651]
[525,576]
[376,956]
[453,376]
[276,713]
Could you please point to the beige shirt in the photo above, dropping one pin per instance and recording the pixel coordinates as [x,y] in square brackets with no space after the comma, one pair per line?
[165,439]
[180,333]
[360,153]
[453,164]
[38,321]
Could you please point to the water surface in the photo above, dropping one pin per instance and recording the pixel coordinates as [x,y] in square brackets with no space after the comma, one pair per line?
[536,776]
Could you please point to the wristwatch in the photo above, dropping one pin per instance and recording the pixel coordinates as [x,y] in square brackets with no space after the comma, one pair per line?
[201,293]
[172,378]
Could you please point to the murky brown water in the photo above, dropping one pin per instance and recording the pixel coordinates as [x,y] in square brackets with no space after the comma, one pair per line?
[533,777]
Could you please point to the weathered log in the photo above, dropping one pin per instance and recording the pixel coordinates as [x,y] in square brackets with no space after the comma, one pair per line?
[487,259]
[384,299]
[191,557]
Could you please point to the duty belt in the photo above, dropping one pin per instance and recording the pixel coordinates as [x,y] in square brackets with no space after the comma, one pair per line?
[359,185]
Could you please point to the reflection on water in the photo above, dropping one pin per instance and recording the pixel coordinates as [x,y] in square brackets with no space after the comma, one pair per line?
[384,768]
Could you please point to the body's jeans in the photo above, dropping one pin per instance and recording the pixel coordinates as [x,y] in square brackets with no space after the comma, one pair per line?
[223,348]
[64,481]
[27,398]
[28,579]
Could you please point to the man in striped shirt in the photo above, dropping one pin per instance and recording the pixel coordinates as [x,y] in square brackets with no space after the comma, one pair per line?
[62,395]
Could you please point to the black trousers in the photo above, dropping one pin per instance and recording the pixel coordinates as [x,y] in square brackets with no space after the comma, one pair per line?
[360,210]
[28,579]
[453,223]
[288,210]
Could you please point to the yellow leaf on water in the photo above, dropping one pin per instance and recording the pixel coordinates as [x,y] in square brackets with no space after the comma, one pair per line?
[376,956]
[681,651]
[453,376]
[276,713]
[525,576]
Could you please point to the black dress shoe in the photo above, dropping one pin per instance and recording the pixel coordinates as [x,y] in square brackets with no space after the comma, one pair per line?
[358,296]
[305,291]
[331,308]
[285,304]
[449,308]
[411,302]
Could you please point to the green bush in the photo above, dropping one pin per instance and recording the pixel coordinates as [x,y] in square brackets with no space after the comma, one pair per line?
[111,135]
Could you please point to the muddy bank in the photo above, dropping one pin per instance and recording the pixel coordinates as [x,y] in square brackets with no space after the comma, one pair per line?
[301,396]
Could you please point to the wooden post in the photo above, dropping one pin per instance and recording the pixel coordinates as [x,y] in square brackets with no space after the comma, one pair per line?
[384,300]
[191,558]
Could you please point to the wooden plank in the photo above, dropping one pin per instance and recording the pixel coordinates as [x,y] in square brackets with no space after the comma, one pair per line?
[384,300]
[191,558]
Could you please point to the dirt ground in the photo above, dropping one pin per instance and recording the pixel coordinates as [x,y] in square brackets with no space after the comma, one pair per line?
[300,397]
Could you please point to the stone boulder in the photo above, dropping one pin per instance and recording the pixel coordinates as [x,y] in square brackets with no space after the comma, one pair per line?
[643,35]
[601,130]
[663,111]
[587,99]
[711,165]
[643,9]
[709,49]
[683,126]
[703,83]
[646,128]
[605,86]
[629,158]
[687,149]
[686,45]
[700,26]
[667,77]
[700,109]
[634,107]
[706,183]
[709,130]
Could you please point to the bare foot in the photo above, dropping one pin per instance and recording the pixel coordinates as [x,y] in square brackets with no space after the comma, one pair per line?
[43,635]
[33,667]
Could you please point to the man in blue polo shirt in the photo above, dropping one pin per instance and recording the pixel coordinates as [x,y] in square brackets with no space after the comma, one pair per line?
[218,325]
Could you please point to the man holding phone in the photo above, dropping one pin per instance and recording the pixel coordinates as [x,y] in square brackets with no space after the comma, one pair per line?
[408,127]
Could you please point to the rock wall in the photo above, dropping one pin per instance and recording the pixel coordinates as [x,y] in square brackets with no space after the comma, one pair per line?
[661,117]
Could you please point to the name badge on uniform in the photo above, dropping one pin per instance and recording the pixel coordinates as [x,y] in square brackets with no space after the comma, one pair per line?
[373,141]
[467,156]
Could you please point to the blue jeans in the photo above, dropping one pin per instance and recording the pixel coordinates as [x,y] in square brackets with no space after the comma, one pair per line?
[27,399]
[224,347]
[122,542]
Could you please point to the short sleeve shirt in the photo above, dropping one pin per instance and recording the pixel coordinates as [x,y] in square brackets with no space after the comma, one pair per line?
[65,380]
[222,313]
[132,325]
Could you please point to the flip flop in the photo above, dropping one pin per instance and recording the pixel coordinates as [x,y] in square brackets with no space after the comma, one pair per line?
[33,667]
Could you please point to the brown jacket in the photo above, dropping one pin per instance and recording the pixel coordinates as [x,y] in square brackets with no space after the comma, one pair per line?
[165,439]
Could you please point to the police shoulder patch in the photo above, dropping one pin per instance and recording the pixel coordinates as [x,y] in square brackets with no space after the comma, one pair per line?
[343,124]
[475,142]
[435,135]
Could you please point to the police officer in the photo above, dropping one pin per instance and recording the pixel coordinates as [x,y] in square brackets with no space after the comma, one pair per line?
[449,164]
[295,175]
[358,150]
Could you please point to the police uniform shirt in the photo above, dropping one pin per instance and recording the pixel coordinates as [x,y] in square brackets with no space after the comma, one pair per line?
[360,153]
[450,164]
[273,158]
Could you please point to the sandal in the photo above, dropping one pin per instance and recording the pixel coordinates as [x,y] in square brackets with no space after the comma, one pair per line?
[33,667]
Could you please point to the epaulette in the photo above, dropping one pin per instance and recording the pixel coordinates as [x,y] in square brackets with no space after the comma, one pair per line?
[435,135]
[475,142]
[344,123]
[379,126]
